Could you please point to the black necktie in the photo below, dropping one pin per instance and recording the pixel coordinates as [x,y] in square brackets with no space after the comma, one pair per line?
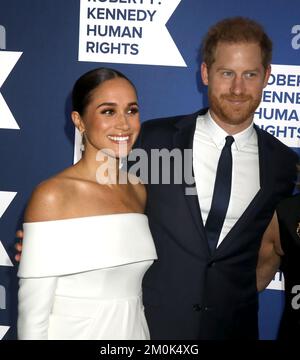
[221,195]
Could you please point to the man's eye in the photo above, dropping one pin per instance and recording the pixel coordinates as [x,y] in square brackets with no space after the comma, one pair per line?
[227,73]
[250,75]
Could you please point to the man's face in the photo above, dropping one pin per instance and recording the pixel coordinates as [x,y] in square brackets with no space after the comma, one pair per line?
[235,83]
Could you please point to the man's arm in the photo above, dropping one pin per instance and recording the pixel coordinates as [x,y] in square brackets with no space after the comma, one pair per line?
[269,255]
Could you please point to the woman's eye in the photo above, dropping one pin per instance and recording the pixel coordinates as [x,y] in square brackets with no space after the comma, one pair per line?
[133,110]
[107,111]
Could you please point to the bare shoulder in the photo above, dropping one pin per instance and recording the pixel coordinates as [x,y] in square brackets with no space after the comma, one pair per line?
[47,199]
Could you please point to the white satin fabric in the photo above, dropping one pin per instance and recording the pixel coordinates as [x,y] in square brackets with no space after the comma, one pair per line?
[81,278]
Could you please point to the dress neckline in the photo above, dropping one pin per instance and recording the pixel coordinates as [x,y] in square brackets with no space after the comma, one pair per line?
[81,218]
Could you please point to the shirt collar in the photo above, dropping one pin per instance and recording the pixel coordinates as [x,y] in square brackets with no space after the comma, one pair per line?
[218,135]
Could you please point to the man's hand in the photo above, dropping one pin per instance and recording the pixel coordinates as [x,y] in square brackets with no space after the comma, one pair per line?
[18,246]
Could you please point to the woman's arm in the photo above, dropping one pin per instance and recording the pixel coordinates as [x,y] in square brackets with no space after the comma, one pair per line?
[35,298]
[36,294]
[269,255]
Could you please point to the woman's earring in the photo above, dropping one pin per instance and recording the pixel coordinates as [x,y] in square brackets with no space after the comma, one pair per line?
[82,145]
[298,229]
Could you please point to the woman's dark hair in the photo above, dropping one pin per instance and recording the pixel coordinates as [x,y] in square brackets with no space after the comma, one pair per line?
[89,81]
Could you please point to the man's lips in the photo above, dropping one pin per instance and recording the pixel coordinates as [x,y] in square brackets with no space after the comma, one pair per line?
[236,100]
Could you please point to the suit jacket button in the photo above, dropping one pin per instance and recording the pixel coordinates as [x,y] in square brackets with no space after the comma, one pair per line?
[197,307]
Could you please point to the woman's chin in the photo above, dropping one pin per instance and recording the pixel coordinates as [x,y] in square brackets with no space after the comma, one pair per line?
[117,153]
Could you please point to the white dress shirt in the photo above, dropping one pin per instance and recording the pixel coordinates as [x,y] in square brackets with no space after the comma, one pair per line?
[209,139]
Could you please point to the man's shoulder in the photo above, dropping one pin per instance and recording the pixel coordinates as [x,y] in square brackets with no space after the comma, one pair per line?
[171,122]
[159,133]
[276,145]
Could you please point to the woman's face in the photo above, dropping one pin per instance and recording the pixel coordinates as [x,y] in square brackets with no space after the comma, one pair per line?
[111,121]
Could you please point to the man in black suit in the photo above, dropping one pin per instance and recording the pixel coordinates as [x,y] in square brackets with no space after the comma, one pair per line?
[195,290]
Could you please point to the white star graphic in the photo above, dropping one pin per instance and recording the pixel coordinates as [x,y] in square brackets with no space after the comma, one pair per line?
[8,60]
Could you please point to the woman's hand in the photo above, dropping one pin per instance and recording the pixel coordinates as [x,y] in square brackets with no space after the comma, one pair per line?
[18,246]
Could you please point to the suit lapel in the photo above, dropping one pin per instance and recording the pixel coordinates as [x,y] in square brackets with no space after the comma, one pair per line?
[183,139]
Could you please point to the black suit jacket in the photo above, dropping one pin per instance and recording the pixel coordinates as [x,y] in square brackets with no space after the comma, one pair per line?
[189,293]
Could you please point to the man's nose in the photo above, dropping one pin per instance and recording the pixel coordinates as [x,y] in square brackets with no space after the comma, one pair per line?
[237,85]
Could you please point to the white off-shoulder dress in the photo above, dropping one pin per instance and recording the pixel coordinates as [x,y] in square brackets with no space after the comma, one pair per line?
[82,278]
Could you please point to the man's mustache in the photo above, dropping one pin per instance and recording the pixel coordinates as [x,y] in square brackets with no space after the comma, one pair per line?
[237,98]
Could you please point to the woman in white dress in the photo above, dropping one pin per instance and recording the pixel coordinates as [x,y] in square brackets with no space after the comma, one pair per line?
[86,242]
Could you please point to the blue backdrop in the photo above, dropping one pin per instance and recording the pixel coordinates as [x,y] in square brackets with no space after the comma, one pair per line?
[36,133]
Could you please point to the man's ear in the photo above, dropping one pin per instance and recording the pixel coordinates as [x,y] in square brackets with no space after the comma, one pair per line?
[204,73]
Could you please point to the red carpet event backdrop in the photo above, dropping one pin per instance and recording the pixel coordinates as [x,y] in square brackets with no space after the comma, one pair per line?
[46,45]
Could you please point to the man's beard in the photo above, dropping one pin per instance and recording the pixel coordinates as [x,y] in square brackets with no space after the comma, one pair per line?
[231,113]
